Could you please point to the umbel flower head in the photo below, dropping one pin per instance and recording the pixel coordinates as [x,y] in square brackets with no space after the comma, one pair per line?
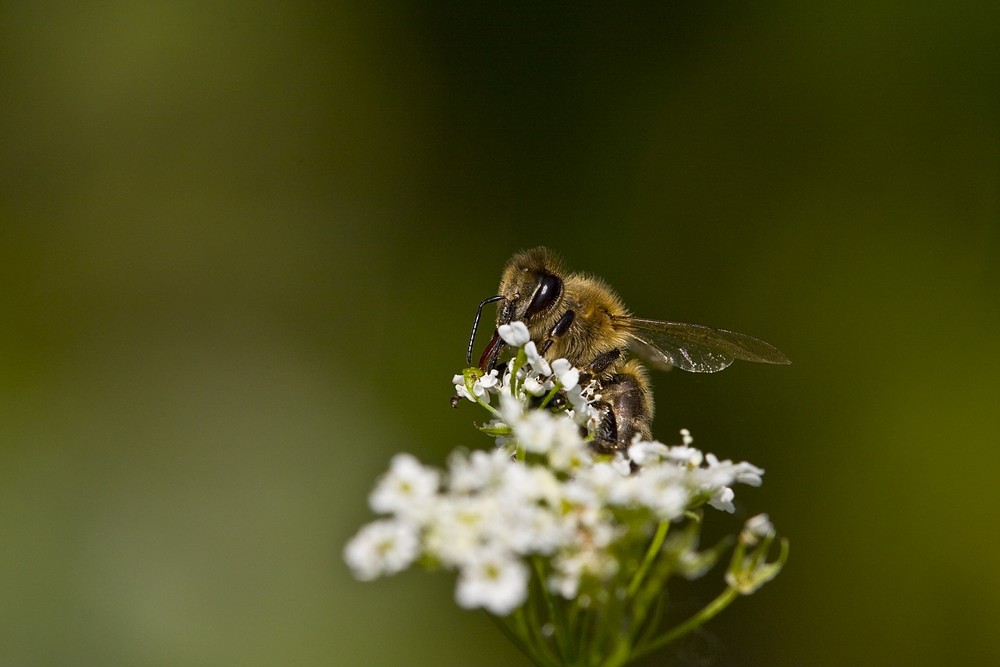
[569,547]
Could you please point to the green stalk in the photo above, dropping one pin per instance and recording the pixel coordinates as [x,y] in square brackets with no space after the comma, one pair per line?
[647,561]
[527,642]
[723,600]
[552,394]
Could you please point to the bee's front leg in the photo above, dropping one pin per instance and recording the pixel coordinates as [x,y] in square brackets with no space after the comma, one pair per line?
[558,329]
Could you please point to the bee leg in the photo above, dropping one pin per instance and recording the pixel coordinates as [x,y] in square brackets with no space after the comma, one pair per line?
[558,329]
[603,361]
[596,368]
[628,410]
[606,440]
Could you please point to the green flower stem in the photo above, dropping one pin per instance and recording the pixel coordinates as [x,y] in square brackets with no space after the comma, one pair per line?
[576,618]
[723,600]
[496,413]
[594,639]
[519,361]
[648,627]
[647,561]
[555,614]
[620,656]
[649,590]
[552,394]
[506,627]
[533,624]
[520,627]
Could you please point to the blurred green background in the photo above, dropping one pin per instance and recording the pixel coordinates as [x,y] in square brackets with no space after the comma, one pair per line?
[241,245]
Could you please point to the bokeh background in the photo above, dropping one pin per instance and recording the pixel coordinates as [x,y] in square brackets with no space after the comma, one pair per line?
[241,245]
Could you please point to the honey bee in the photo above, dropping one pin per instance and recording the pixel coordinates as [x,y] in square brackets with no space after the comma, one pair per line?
[580,318]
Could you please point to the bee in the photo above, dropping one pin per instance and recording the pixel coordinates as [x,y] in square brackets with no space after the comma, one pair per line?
[579,317]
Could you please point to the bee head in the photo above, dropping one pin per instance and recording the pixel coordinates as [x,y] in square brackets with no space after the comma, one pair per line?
[531,288]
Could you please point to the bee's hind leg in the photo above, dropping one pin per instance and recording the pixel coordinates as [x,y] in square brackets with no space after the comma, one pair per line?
[627,409]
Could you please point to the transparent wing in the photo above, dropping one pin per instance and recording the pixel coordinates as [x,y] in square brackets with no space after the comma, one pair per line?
[694,347]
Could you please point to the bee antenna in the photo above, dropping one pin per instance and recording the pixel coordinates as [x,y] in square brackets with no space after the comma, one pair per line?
[475,326]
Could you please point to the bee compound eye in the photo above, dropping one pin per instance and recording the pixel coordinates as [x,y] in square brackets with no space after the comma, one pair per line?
[548,289]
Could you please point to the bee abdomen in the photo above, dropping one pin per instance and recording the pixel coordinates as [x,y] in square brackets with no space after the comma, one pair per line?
[628,409]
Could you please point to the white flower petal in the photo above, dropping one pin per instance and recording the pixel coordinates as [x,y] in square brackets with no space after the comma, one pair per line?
[495,580]
[642,452]
[408,489]
[536,360]
[558,499]
[382,547]
[757,528]
[514,334]
[723,500]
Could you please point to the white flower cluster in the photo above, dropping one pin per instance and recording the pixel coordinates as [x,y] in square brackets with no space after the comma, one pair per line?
[543,492]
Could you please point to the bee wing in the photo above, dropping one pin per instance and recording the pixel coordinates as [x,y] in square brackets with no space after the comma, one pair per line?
[694,347]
